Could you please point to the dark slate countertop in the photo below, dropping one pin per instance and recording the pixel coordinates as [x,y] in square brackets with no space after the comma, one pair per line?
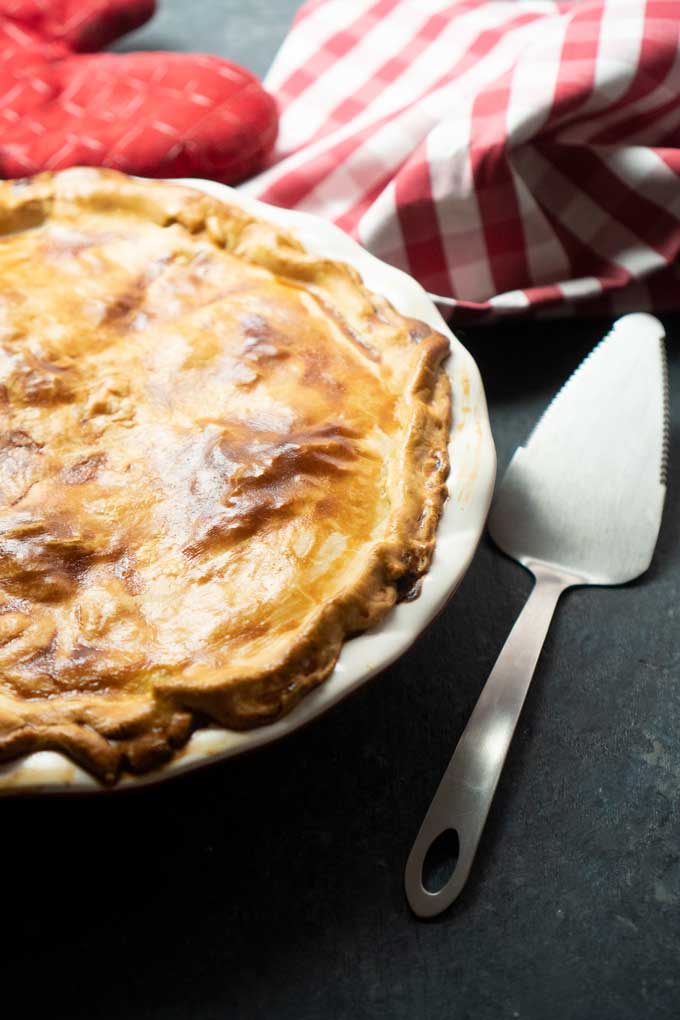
[270,887]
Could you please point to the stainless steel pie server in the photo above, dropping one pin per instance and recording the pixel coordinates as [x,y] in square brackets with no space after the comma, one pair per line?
[581,503]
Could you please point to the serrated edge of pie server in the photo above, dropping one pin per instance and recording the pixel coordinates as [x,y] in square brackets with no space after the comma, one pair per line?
[665,426]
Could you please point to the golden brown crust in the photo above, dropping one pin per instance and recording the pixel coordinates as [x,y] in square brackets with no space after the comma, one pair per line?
[220,456]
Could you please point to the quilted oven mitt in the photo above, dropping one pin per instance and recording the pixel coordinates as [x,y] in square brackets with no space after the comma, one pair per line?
[153,114]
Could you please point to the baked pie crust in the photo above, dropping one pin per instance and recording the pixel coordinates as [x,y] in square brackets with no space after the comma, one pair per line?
[220,456]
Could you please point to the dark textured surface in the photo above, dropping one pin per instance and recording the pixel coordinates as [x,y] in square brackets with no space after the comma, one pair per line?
[271,886]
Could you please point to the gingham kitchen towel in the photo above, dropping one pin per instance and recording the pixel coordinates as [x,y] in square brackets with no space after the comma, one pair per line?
[513,156]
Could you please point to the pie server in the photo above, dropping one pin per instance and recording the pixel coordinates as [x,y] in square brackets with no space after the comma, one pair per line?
[581,503]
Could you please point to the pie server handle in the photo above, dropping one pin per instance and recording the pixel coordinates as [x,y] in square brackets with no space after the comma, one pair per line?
[463,798]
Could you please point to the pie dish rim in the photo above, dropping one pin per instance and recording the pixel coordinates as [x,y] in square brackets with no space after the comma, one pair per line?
[470,484]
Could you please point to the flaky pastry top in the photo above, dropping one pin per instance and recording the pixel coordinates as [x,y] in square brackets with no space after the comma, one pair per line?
[219,457]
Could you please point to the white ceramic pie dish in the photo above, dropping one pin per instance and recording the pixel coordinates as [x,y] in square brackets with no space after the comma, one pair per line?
[470,484]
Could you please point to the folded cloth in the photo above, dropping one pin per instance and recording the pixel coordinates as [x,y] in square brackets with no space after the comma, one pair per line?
[513,156]
[153,114]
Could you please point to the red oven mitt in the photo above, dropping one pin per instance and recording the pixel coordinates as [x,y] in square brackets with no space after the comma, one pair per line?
[83,25]
[153,114]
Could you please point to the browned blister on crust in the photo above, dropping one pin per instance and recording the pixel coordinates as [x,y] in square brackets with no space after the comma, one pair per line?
[220,457]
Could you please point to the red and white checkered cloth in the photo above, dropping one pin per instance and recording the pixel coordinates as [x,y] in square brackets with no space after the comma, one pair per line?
[512,156]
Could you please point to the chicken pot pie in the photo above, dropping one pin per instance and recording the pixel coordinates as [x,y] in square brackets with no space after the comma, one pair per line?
[220,457]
